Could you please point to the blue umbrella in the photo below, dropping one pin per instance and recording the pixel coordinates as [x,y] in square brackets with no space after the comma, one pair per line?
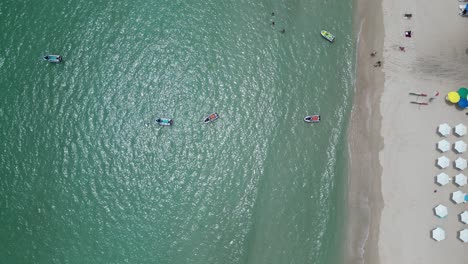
[463,103]
[466,197]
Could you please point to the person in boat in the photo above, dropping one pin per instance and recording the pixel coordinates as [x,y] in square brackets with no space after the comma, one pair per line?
[158,120]
[273,23]
[46,57]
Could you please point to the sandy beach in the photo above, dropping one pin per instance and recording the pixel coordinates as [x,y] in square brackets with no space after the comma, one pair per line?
[392,143]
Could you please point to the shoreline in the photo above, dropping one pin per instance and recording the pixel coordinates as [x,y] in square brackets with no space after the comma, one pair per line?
[365,203]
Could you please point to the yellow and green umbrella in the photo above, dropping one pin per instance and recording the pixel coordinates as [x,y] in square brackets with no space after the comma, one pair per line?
[453,97]
[463,92]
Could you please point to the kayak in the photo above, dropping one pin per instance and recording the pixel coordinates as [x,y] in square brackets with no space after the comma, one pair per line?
[53,58]
[164,121]
[312,119]
[327,35]
[210,118]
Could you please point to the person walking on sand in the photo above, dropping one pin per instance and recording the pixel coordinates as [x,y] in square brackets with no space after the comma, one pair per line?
[373,53]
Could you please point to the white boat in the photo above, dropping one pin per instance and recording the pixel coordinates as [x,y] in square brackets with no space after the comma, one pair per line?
[327,35]
[53,58]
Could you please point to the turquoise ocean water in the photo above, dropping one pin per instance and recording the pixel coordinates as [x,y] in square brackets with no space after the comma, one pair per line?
[84,180]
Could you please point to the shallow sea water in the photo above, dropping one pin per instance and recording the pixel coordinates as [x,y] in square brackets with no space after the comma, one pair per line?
[86,175]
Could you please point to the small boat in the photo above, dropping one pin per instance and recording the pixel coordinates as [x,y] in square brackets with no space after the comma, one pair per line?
[53,58]
[312,119]
[327,35]
[164,121]
[210,118]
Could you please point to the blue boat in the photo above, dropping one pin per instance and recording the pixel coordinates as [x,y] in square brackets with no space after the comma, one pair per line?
[53,58]
[164,121]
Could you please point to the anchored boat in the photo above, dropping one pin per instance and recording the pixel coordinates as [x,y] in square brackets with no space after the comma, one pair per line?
[53,58]
[312,119]
[327,35]
[164,121]
[210,118]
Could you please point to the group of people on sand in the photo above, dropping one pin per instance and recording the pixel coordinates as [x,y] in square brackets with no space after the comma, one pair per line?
[401,48]
[378,63]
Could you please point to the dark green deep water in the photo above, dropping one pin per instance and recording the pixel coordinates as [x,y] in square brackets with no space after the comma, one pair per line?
[84,180]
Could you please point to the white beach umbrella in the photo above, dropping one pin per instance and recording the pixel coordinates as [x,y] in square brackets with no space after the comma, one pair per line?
[461,179]
[458,197]
[443,162]
[438,234]
[444,129]
[460,146]
[463,235]
[443,145]
[460,163]
[460,130]
[441,211]
[464,217]
[442,179]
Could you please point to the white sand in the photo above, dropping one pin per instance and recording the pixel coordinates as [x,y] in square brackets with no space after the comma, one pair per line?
[436,59]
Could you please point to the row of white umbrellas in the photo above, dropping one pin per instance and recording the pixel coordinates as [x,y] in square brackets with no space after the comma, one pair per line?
[443,162]
[442,211]
[438,234]
[444,129]
[459,146]
[460,163]
[443,179]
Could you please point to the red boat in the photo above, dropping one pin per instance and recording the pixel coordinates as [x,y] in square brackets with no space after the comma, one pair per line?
[211,118]
[312,119]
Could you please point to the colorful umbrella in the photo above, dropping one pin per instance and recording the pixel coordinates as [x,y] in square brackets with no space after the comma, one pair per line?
[463,103]
[453,97]
[463,92]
